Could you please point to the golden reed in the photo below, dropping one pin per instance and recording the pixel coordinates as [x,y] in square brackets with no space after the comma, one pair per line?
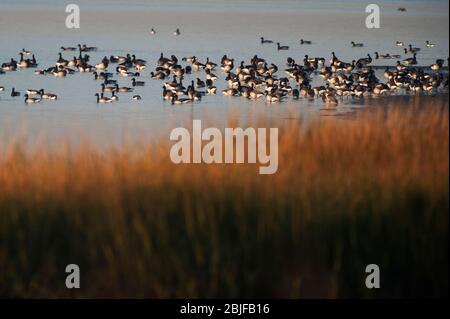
[347,193]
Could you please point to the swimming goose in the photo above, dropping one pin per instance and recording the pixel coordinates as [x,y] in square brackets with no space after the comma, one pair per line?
[189,59]
[136,61]
[86,68]
[175,100]
[68,49]
[128,74]
[102,65]
[10,66]
[197,65]
[152,31]
[102,99]
[210,75]
[31,100]
[282,47]
[200,83]
[357,45]
[123,89]
[413,50]
[26,52]
[329,99]
[226,60]
[228,67]
[273,97]
[177,70]
[167,94]
[230,92]
[305,41]
[211,89]
[363,61]
[14,93]
[59,72]
[410,61]
[188,69]
[73,62]
[438,65]
[399,43]
[47,96]
[162,60]
[117,59]
[137,83]
[210,65]
[85,48]
[388,74]
[136,97]
[24,63]
[33,92]
[174,85]
[265,41]
[177,32]
[158,75]
[2,88]
[108,88]
[400,67]
[99,76]
[429,44]
[61,61]
[380,89]
[114,97]
[382,56]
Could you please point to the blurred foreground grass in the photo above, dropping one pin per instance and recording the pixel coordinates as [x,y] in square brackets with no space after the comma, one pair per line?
[346,194]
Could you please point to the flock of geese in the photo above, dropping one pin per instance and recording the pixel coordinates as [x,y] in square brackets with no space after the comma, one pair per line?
[255,79]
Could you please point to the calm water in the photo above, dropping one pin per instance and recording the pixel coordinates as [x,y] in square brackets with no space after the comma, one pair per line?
[209,29]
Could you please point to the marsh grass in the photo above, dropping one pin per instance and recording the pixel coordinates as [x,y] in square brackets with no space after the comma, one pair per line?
[347,193]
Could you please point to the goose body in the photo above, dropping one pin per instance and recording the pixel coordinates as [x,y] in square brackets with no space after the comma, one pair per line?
[437,66]
[282,47]
[108,88]
[429,44]
[31,100]
[413,50]
[68,49]
[60,72]
[357,45]
[123,89]
[410,61]
[114,97]
[102,99]
[14,93]
[85,48]
[47,96]
[137,83]
[33,92]
[265,40]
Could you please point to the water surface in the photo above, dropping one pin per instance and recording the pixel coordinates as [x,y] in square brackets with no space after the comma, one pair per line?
[209,29]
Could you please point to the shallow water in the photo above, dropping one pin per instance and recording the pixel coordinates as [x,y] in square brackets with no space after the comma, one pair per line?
[209,29]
